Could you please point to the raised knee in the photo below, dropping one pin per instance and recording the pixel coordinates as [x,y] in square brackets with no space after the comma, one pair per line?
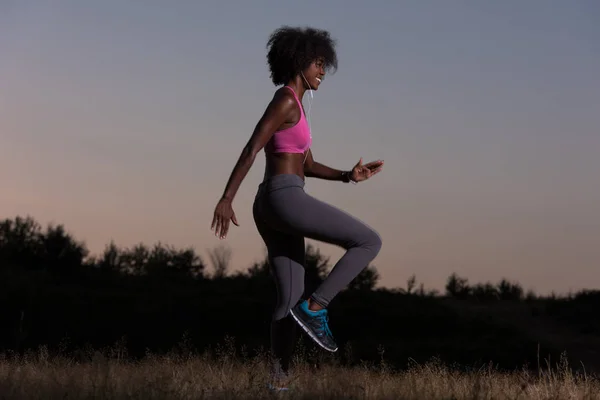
[374,242]
[369,239]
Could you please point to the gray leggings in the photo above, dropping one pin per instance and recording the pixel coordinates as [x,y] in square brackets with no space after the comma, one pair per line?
[284,215]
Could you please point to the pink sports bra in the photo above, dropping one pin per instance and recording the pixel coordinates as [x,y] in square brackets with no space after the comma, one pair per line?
[295,139]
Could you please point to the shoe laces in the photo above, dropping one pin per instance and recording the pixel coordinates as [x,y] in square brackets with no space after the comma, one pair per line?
[324,319]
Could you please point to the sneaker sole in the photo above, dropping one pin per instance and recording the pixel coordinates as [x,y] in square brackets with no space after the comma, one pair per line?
[277,388]
[310,333]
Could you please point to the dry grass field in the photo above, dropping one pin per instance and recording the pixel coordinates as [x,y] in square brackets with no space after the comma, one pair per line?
[226,375]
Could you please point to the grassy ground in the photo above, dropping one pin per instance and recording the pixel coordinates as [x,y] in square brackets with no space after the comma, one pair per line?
[107,375]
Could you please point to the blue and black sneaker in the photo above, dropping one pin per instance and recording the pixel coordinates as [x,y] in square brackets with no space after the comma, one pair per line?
[315,324]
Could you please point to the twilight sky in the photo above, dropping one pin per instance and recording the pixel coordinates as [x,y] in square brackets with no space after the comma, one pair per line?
[122,120]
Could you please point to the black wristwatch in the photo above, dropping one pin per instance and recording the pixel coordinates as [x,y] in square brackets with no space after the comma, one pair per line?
[346,177]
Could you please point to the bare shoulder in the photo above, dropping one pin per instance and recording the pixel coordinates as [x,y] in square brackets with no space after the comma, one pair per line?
[284,99]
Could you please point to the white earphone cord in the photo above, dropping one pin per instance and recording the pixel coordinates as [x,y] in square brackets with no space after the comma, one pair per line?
[308,116]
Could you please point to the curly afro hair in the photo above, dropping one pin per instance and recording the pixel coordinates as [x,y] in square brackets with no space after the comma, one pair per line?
[291,50]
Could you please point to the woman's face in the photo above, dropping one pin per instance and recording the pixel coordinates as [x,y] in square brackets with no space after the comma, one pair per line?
[314,74]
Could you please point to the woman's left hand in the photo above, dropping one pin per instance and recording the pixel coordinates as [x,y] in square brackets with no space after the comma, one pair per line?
[362,172]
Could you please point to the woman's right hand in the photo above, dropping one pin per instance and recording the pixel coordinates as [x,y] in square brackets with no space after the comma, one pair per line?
[223,214]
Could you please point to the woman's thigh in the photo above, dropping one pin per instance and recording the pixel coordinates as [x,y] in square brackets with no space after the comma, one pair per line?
[293,211]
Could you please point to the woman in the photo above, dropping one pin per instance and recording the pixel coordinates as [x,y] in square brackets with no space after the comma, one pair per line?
[283,212]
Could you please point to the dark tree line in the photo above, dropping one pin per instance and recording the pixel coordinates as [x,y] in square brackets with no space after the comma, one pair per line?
[53,290]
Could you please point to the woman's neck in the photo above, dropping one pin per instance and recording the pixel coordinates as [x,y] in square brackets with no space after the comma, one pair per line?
[298,85]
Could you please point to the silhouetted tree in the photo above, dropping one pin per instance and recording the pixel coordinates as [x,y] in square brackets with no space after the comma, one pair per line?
[457,287]
[510,291]
[530,296]
[220,258]
[135,259]
[160,261]
[61,252]
[186,260]
[411,283]
[21,243]
[25,245]
[485,292]
[588,296]
[366,280]
[167,261]
[259,270]
[111,258]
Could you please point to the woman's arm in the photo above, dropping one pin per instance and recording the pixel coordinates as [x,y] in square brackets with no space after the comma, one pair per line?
[313,169]
[275,115]
[358,173]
